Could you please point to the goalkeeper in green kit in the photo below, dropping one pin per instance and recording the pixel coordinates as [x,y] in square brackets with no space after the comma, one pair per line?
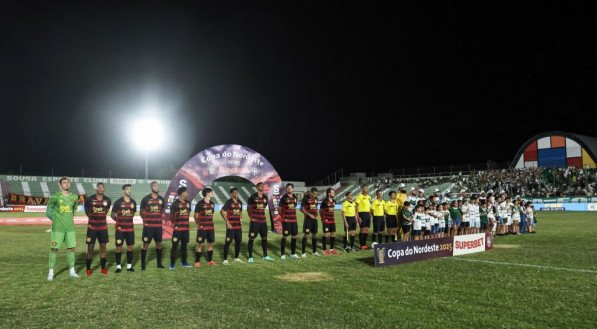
[61,211]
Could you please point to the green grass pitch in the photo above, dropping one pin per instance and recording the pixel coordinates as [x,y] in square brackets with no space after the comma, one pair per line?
[547,279]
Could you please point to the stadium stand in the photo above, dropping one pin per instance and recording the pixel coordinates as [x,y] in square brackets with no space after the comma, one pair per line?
[530,182]
[41,186]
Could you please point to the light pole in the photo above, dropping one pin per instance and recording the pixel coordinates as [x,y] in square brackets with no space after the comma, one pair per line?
[148,135]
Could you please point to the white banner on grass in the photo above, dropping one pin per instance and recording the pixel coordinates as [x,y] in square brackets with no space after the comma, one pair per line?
[468,244]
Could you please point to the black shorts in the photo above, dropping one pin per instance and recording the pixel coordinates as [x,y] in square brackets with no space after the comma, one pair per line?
[329,228]
[446,229]
[378,223]
[209,236]
[257,228]
[152,233]
[365,218]
[352,223]
[405,228]
[234,235]
[180,236]
[465,224]
[483,226]
[391,221]
[310,225]
[121,237]
[289,229]
[100,235]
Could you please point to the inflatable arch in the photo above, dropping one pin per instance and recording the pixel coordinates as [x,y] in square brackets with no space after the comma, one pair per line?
[221,161]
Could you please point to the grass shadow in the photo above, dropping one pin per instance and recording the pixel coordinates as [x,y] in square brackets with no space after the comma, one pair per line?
[368,260]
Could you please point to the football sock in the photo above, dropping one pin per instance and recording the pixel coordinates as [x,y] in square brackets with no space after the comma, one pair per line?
[70,257]
[129,257]
[159,256]
[264,247]
[52,262]
[143,256]
[250,247]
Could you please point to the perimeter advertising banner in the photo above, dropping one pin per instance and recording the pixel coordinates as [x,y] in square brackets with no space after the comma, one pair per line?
[20,199]
[403,252]
[12,209]
[411,251]
[40,209]
[93,180]
[566,206]
[221,161]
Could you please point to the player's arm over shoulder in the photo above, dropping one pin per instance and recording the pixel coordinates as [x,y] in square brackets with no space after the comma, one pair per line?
[87,205]
[224,209]
[115,209]
[304,203]
[144,201]
[75,201]
[143,205]
[51,205]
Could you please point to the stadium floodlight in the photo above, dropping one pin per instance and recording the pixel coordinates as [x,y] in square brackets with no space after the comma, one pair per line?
[148,135]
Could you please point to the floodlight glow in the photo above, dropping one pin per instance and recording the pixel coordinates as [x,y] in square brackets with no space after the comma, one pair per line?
[148,134]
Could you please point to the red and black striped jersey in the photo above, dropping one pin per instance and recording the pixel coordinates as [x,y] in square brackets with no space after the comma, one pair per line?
[233,213]
[205,213]
[256,207]
[327,211]
[179,215]
[123,213]
[97,209]
[288,208]
[309,205]
[151,211]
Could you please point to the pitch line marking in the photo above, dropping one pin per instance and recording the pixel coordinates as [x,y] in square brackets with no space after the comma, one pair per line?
[527,265]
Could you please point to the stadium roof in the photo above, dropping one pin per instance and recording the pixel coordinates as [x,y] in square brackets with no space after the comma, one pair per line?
[556,149]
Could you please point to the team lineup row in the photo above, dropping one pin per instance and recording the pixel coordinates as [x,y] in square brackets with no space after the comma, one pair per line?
[428,220]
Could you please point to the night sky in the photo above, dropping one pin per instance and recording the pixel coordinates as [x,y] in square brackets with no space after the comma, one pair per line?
[312,86]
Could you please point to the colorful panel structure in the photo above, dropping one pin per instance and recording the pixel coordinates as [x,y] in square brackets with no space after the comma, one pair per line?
[530,154]
[573,149]
[587,160]
[552,157]
[557,150]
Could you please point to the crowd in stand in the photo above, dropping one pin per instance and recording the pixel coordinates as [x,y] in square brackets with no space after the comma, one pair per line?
[536,182]
[514,181]
[422,182]
[574,181]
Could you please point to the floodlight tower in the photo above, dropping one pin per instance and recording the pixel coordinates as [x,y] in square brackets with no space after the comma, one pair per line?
[148,136]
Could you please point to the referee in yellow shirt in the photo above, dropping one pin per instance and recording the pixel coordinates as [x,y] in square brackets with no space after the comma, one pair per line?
[377,210]
[363,203]
[391,210]
[350,223]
